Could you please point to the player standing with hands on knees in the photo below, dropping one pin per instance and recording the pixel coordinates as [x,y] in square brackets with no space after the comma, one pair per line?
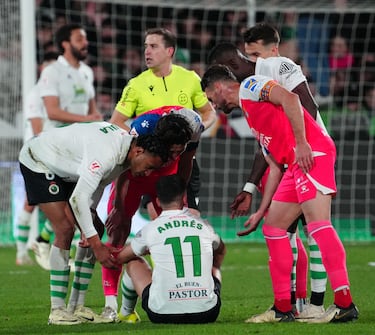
[185,282]
[289,135]
[66,170]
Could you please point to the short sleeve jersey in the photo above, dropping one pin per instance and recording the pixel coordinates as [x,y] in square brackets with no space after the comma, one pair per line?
[146,91]
[270,124]
[181,247]
[287,73]
[34,108]
[73,86]
[89,154]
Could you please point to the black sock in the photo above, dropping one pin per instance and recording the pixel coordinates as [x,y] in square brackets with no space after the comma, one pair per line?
[317,298]
[293,298]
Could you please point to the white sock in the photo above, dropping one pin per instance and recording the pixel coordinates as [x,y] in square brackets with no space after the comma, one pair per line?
[23,228]
[111,301]
[59,276]
[293,244]
[318,275]
[129,295]
[84,266]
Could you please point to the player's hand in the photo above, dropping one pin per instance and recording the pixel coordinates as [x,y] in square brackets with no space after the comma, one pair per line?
[105,256]
[83,243]
[241,204]
[252,223]
[304,156]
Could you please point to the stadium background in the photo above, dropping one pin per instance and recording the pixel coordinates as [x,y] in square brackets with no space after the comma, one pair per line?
[115,32]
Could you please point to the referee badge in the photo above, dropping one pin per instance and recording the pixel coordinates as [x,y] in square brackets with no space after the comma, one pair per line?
[53,189]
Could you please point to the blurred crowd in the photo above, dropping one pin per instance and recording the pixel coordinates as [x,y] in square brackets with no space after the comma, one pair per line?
[334,50]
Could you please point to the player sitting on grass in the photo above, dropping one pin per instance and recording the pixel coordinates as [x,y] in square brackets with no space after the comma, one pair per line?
[184,285]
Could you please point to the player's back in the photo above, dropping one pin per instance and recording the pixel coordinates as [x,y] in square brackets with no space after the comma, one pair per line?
[181,246]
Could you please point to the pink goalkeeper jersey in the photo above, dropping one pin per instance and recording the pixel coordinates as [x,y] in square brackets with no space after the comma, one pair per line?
[270,124]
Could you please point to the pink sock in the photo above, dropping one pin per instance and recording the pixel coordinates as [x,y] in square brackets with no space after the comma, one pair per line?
[110,278]
[333,252]
[280,265]
[301,271]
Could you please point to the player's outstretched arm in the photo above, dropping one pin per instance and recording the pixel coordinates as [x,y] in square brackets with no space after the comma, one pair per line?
[273,180]
[125,255]
[242,202]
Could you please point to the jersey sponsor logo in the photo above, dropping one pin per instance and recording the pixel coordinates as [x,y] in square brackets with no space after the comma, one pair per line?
[263,139]
[94,166]
[183,98]
[189,294]
[78,91]
[285,68]
[251,84]
[53,188]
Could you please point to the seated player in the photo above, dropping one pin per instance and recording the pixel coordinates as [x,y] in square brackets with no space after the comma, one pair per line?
[184,285]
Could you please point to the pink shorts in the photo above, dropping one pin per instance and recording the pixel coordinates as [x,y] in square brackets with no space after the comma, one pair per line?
[298,187]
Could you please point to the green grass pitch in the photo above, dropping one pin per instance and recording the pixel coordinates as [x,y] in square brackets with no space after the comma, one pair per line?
[246,290]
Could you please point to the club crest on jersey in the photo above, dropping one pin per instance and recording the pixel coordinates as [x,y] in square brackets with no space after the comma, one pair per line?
[53,188]
[94,166]
[182,98]
[285,68]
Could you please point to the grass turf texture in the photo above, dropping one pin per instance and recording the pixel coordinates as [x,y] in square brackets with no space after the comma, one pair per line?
[246,290]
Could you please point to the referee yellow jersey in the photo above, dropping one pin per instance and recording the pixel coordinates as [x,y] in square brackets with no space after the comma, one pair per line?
[146,91]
